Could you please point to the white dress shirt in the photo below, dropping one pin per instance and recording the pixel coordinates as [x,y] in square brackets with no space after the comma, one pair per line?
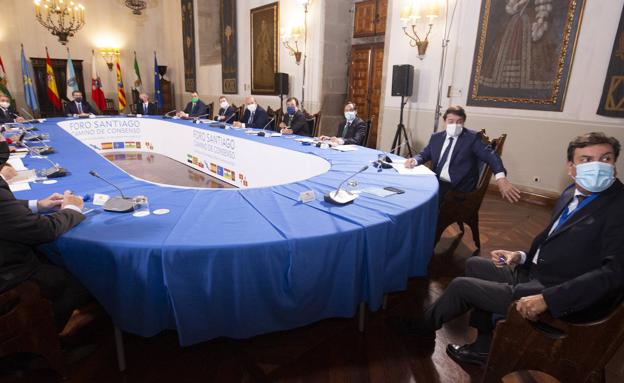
[444,173]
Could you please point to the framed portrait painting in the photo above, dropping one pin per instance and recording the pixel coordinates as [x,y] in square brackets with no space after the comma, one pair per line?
[524,52]
[264,48]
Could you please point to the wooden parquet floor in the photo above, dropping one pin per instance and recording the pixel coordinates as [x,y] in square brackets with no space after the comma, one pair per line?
[329,351]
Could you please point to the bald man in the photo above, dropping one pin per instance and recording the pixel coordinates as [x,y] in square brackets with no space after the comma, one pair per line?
[254,117]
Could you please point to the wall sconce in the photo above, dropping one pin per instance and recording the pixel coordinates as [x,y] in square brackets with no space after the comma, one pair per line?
[109,55]
[411,12]
[290,38]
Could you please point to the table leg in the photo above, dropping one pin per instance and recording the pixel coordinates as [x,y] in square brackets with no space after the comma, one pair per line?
[121,353]
[361,316]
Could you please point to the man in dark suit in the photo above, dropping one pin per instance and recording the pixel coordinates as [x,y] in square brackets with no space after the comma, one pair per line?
[23,229]
[575,265]
[79,106]
[144,106]
[254,117]
[294,121]
[352,131]
[194,108]
[7,111]
[456,155]
[227,113]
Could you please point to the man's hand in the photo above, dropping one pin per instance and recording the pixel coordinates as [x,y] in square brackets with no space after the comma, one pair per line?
[508,190]
[50,203]
[282,125]
[237,124]
[531,307]
[20,119]
[8,172]
[410,163]
[324,138]
[505,258]
[70,199]
[286,131]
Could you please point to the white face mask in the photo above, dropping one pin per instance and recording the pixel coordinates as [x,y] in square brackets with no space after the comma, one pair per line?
[252,107]
[224,104]
[349,116]
[454,130]
[5,104]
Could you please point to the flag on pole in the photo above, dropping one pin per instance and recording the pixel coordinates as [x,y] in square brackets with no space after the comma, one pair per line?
[29,90]
[121,93]
[53,94]
[97,95]
[4,83]
[138,84]
[159,97]
[72,84]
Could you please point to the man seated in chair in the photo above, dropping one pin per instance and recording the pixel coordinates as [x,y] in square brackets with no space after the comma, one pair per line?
[144,106]
[294,121]
[26,225]
[352,131]
[575,264]
[78,106]
[227,113]
[254,117]
[194,108]
[456,155]
[7,111]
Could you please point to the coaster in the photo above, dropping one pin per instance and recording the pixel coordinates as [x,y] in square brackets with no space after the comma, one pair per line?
[161,211]
[49,182]
[141,214]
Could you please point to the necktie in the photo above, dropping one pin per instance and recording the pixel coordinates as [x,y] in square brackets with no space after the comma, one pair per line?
[251,116]
[79,108]
[345,129]
[193,107]
[566,212]
[444,157]
[145,108]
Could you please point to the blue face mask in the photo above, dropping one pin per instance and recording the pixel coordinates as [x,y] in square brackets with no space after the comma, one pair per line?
[350,116]
[595,176]
[291,110]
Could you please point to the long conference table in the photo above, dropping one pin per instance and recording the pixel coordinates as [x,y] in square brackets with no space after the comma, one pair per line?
[234,262]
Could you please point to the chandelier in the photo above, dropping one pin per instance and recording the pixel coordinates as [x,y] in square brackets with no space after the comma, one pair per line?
[136,5]
[61,17]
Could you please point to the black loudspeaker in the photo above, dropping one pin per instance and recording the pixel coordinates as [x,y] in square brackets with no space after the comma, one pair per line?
[402,80]
[281,83]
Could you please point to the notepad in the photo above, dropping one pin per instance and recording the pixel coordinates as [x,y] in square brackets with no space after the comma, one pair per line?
[20,186]
[420,170]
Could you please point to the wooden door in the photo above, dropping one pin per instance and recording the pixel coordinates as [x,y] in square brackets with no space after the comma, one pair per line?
[370,18]
[365,84]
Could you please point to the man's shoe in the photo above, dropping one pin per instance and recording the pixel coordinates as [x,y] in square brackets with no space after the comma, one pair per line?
[411,327]
[465,354]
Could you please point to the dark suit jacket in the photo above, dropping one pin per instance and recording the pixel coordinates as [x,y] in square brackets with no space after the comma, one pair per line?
[466,158]
[151,109]
[297,123]
[231,114]
[582,261]
[21,231]
[260,118]
[200,109]
[8,115]
[355,133]
[72,108]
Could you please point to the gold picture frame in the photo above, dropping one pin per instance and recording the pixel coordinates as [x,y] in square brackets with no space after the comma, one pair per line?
[264,22]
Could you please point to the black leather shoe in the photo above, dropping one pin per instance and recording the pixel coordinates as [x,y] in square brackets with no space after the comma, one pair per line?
[464,354]
[411,327]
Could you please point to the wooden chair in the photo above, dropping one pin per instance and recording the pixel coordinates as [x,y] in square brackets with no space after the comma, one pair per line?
[27,325]
[210,110]
[460,208]
[369,123]
[277,115]
[241,111]
[110,108]
[314,123]
[569,352]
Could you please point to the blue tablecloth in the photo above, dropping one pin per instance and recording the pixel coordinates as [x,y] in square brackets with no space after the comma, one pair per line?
[242,262]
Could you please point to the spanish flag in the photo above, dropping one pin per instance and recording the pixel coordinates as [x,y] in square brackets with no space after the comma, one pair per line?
[121,93]
[53,94]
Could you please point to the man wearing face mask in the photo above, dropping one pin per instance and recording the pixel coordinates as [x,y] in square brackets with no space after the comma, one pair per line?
[456,155]
[254,117]
[227,113]
[294,121]
[144,106]
[24,227]
[7,111]
[576,265]
[194,108]
[79,106]
[350,132]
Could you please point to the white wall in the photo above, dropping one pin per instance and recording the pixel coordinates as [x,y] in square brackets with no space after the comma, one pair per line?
[536,140]
[108,23]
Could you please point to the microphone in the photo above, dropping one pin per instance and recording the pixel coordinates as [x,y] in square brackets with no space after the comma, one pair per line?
[56,171]
[32,119]
[121,204]
[343,197]
[38,151]
[384,161]
[264,132]
[168,114]
[196,118]
[229,118]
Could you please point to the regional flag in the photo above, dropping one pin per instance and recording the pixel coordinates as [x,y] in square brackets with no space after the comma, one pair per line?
[29,90]
[159,97]
[53,94]
[121,93]
[4,84]
[138,83]
[97,95]
[72,84]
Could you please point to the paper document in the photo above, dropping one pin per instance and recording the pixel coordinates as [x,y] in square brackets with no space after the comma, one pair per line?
[17,164]
[305,139]
[24,176]
[345,148]
[379,192]
[19,186]
[420,170]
